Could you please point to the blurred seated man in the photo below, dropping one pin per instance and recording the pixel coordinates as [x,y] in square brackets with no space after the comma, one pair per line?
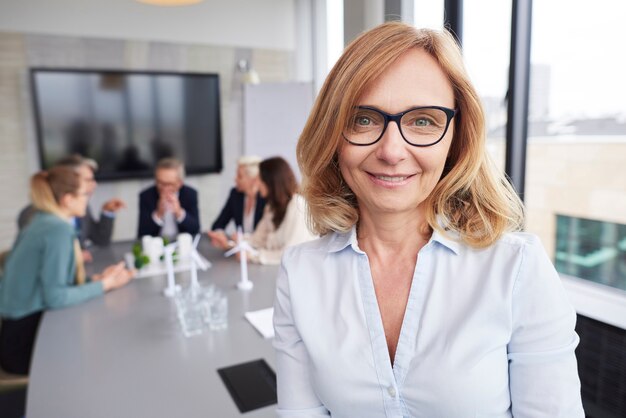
[244,205]
[88,229]
[169,207]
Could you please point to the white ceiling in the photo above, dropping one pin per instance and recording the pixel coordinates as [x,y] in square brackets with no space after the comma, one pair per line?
[246,23]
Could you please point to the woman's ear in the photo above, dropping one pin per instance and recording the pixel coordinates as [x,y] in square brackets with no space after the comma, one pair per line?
[66,200]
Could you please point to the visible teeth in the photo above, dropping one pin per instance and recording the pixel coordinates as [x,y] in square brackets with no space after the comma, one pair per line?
[391,179]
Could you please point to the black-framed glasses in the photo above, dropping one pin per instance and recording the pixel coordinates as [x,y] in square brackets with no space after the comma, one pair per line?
[419,126]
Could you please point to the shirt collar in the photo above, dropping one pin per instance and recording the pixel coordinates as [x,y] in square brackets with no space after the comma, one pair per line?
[341,240]
[449,240]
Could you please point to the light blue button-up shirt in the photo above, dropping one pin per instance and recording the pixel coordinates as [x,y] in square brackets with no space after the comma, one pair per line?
[486,333]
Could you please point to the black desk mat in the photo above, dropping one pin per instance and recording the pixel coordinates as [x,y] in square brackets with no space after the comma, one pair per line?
[252,385]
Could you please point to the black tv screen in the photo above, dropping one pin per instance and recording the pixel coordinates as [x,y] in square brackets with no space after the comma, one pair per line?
[128,120]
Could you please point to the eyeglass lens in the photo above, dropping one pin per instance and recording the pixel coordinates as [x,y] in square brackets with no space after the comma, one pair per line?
[420,126]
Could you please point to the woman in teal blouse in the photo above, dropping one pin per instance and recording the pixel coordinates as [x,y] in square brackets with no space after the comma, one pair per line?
[44,269]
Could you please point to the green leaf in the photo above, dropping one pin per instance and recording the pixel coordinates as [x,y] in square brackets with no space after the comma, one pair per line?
[137,249]
[141,261]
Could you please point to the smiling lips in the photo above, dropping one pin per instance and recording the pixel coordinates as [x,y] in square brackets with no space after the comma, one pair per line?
[390,180]
[394,179]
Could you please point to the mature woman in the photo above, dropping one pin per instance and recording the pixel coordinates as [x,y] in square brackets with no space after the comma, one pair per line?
[420,299]
[44,269]
[244,205]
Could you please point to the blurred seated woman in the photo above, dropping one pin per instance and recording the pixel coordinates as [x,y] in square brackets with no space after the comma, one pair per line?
[44,269]
[244,205]
[284,218]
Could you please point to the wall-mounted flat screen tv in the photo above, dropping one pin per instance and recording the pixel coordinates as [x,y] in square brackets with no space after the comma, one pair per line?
[128,120]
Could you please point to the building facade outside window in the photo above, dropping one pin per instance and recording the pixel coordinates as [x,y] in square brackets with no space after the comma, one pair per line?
[576,157]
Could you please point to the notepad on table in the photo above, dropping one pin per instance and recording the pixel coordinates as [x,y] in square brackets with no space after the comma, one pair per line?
[262,321]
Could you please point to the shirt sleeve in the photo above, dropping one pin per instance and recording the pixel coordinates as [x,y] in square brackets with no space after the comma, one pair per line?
[181,218]
[259,237]
[296,396]
[99,231]
[542,365]
[156,219]
[285,235]
[57,271]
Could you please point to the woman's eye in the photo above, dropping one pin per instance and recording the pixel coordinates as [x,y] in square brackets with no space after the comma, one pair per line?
[422,122]
[363,121]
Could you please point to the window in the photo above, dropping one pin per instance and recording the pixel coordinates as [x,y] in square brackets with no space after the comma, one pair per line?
[486,49]
[334,26]
[428,14]
[576,157]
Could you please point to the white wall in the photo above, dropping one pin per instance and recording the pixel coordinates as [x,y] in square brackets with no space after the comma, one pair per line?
[274,115]
[248,23]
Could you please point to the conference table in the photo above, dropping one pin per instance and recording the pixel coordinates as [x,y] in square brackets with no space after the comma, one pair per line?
[124,354]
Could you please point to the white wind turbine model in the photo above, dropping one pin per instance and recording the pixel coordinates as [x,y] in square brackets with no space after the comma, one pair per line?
[172,288]
[242,248]
[196,262]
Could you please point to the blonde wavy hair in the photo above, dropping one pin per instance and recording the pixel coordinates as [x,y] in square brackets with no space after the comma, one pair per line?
[46,190]
[472,197]
[250,164]
[48,187]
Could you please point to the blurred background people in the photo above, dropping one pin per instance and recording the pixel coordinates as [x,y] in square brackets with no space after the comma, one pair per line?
[44,269]
[169,207]
[245,204]
[89,229]
[284,218]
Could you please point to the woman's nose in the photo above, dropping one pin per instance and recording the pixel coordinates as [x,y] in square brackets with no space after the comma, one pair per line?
[392,148]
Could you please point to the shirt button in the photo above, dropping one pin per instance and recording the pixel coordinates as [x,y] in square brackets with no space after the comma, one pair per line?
[392,391]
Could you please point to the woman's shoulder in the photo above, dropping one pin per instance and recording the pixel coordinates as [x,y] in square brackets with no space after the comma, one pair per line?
[519,240]
[50,225]
[236,194]
[297,206]
[508,245]
[512,245]
[298,201]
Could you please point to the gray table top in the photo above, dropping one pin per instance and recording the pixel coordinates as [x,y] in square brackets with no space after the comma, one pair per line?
[124,355]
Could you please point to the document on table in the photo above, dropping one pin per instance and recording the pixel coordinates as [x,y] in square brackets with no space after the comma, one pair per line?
[262,321]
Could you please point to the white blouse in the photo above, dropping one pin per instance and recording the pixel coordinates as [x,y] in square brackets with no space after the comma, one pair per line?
[271,242]
[486,333]
[248,218]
